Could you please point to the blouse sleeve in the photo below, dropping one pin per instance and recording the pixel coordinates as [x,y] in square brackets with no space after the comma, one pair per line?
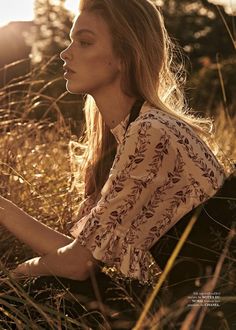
[85,207]
[156,178]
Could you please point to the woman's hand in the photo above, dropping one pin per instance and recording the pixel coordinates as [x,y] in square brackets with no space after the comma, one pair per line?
[17,275]
[24,270]
[60,254]
[72,261]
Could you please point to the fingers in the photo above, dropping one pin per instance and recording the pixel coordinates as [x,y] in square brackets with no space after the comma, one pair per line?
[20,272]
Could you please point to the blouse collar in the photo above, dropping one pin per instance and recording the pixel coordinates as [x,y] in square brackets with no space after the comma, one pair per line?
[119,130]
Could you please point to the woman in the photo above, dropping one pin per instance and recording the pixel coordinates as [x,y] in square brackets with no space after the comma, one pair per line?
[139,179]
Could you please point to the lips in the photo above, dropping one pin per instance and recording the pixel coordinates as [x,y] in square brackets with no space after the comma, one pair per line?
[68,69]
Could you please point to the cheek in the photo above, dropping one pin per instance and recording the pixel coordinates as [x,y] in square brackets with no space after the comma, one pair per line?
[101,62]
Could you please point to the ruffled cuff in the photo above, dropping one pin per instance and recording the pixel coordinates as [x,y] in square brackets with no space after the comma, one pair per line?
[110,247]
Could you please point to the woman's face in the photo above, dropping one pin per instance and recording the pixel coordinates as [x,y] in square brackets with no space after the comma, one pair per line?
[90,63]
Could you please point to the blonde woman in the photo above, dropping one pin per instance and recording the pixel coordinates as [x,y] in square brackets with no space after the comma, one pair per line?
[145,160]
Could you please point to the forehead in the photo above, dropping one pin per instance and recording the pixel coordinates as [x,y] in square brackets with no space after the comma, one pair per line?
[90,23]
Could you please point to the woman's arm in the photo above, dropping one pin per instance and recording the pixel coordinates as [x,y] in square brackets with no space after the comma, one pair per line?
[41,238]
[72,261]
[62,256]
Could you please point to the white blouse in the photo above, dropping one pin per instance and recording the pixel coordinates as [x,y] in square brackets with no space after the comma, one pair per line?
[161,171]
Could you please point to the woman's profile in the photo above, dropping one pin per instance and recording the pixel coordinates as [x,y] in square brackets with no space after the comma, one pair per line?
[145,159]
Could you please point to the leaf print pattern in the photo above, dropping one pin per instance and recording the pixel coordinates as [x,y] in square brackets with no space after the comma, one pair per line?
[184,141]
[161,171]
[149,211]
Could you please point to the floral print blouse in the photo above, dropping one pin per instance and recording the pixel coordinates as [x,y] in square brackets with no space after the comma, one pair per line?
[161,171]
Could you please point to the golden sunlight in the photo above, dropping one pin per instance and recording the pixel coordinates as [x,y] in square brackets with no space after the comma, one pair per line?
[15,10]
[230,5]
[72,5]
[23,10]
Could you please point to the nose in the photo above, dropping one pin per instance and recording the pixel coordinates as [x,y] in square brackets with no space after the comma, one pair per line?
[65,54]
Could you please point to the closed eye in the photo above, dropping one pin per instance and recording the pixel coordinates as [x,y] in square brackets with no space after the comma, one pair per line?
[84,43]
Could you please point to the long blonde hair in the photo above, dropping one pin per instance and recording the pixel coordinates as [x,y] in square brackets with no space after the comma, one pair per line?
[150,71]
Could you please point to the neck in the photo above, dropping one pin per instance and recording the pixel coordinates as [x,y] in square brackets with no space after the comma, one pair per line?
[114,107]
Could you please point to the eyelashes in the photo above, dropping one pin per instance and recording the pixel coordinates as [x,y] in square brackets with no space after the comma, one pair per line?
[81,43]
[84,43]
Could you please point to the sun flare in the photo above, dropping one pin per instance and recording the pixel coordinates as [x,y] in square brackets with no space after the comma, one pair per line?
[15,10]
[23,10]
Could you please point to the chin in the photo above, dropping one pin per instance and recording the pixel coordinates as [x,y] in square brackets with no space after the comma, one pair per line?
[74,89]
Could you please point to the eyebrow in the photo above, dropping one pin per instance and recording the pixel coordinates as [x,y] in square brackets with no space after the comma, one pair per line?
[79,32]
